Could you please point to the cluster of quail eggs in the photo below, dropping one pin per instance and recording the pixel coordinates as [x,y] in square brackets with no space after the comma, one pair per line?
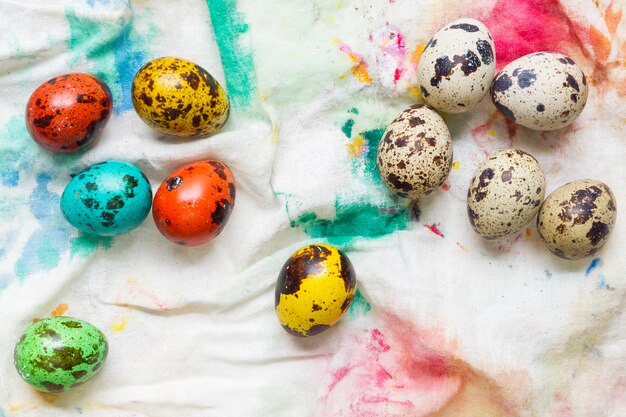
[191,207]
[541,91]
[176,97]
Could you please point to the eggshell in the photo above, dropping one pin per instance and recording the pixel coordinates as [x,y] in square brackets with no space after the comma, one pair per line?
[180,98]
[68,112]
[108,198]
[505,193]
[194,203]
[542,91]
[457,66]
[315,288]
[415,153]
[59,353]
[576,219]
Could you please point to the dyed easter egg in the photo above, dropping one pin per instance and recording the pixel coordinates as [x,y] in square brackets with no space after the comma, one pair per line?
[315,288]
[68,112]
[457,66]
[415,154]
[179,98]
[576,219]
[194,203]
[542,91]
[108,198]
[505,193]
[59,353]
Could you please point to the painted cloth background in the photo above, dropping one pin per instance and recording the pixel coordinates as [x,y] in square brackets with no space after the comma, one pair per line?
[444,324]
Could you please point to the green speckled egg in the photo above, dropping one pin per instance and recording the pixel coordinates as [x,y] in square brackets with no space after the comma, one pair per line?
[59,353]
[180,98]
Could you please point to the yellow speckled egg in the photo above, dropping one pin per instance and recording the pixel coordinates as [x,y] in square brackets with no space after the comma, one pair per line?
[315,288]
[179,98]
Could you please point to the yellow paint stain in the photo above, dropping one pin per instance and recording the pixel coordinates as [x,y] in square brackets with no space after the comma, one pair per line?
[416,93]
[359,70]
[263,97]
[119,324]
[60,310]
[274,137]
[361,74]
[94,406]
[357,147]
[332,20]
[456,165]
[492,132]
[131,281]
[339,4]
[417,53]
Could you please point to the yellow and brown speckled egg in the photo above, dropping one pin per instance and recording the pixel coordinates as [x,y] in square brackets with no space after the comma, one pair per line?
[315,288]
[179,98]
[575,220]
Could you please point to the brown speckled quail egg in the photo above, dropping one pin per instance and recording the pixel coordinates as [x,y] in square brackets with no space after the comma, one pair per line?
[415,153]
[542,91]
[457,66]
[576,219]
[505,193]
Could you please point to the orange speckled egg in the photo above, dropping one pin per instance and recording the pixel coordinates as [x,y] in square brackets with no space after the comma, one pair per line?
[193,204]
[67,113]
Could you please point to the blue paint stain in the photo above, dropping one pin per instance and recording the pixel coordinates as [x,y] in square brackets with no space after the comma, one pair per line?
[44,248]
[595,263]
[596,266]
[39,201]
[9,177]
[129,58]
[2,414]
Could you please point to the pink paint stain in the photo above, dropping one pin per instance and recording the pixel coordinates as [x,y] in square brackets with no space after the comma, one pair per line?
[445,186]
[434,228]
[520,27]
[398,370]
[393,52]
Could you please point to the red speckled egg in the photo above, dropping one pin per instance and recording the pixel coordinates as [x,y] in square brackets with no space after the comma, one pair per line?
[68,112]
[194,203]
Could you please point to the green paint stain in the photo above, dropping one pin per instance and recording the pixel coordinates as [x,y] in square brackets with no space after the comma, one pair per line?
[228,26]
[359,307]
[353,220]
[372,138]
[347,128]
[353,110]
[86,245]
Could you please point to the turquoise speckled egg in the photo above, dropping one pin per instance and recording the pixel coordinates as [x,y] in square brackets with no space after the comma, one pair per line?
[108,198]
[59,353]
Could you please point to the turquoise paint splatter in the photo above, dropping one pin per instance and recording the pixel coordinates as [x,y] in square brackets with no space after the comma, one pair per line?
[228,26]
[347,128]
[115,49]
[372,138]
[353,110]
[354,220]
[43,249]
[86,245]
[359,307]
